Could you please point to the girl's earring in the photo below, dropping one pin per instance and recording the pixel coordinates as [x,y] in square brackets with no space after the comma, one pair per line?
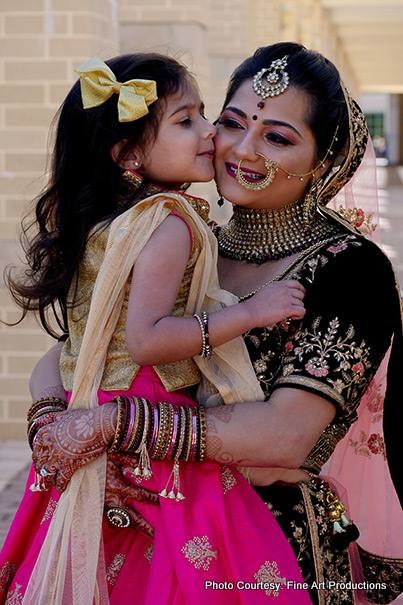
[136,164]
[220,201]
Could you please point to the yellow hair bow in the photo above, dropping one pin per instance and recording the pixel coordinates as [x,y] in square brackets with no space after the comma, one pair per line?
[98,84]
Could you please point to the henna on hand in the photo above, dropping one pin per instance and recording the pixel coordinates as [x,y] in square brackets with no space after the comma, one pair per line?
[71,441]
[118,491]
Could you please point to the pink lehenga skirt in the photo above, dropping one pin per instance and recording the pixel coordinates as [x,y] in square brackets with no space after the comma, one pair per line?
[220,544]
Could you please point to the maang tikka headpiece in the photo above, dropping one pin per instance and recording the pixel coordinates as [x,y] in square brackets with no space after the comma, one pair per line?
[271,81]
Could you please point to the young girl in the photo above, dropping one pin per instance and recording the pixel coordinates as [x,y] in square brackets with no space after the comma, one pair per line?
[135,277]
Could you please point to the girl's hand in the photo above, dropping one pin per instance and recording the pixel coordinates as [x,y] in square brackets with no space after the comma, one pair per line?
[277,301]
[118,491]
[73,439]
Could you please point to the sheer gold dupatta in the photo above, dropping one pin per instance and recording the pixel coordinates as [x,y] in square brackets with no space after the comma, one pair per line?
[70,568]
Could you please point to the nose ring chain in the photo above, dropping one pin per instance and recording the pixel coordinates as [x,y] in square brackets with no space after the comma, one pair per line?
[272,168]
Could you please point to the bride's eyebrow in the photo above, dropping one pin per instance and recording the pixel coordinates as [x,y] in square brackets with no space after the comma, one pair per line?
[267,122]
[280,123]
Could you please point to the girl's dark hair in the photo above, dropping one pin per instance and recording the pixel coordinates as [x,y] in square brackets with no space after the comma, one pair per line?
[309,71]
[84,184]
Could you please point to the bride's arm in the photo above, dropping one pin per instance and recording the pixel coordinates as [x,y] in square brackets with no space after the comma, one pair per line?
[45,379]
[277,433]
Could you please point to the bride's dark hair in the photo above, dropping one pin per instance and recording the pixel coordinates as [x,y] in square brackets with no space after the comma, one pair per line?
[311,72]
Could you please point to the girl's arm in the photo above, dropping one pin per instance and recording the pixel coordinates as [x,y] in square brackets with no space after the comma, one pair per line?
[155,337]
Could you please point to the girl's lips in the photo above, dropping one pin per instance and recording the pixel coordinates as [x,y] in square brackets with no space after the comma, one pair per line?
[208,154]
[249,175]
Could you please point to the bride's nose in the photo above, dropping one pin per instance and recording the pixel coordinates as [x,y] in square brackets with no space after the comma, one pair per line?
[245,148]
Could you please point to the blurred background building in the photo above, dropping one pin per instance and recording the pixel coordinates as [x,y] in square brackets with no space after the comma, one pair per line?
[42,41]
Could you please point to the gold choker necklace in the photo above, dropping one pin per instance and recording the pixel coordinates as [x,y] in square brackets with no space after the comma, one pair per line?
[258,236]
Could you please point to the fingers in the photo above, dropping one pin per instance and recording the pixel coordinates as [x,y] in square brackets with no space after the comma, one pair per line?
[121,459]
[141,494]
[298,314]
[293,283]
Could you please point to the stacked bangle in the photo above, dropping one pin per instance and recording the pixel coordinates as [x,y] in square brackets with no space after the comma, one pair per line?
[168,432]
[39,408]
[203,323]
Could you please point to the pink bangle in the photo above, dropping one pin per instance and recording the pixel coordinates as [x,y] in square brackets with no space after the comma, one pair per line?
[174,433]
[178,452]
[194,436]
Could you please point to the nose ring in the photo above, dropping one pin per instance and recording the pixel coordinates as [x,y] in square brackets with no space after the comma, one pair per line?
[272,168]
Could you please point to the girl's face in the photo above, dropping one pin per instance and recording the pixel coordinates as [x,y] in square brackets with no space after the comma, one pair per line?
[183,150]
[279,131]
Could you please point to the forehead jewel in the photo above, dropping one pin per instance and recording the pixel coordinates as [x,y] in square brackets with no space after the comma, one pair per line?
[271,81]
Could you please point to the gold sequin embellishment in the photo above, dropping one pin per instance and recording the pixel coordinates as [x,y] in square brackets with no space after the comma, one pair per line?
[270,574]
[198,552]
[227,478]
[114,568]
[50,509]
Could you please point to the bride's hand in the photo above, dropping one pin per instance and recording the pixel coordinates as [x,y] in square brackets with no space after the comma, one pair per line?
[118,491]
[72,440]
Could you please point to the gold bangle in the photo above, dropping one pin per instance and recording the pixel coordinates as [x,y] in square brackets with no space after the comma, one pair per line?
[203,433]
[121,406]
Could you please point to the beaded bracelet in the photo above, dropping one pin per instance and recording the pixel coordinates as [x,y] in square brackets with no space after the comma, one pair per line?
[203,323]
[206,352]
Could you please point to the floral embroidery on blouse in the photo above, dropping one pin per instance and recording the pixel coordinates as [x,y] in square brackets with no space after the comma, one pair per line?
[327,353]
[199,552]
[269,573]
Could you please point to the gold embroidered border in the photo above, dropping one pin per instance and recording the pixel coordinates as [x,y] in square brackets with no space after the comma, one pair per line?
[315,541]
[392,560]
[312,384]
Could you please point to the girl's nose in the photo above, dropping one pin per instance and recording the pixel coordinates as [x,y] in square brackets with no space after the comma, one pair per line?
[211,130]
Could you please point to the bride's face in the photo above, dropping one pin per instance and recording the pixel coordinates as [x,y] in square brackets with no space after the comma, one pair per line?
[280,132]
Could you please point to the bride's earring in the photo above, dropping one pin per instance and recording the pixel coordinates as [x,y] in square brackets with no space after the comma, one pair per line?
[310,203]
[220,201]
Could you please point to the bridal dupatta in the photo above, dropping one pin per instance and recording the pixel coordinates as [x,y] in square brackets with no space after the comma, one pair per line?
[70,567]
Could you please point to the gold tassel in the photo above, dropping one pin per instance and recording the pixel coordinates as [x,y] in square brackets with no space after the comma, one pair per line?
[143,469]
[176,485]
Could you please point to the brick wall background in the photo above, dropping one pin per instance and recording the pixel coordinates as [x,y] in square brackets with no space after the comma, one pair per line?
[40,44]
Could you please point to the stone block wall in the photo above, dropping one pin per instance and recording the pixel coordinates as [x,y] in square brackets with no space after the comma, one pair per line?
[39,49]
[40,44]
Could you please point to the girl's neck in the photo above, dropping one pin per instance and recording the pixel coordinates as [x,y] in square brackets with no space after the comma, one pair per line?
[135,182]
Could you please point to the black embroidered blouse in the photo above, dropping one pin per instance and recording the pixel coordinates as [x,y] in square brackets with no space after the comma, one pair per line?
[352,310]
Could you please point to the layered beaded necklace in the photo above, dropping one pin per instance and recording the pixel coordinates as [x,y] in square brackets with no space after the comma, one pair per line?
[258,236]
